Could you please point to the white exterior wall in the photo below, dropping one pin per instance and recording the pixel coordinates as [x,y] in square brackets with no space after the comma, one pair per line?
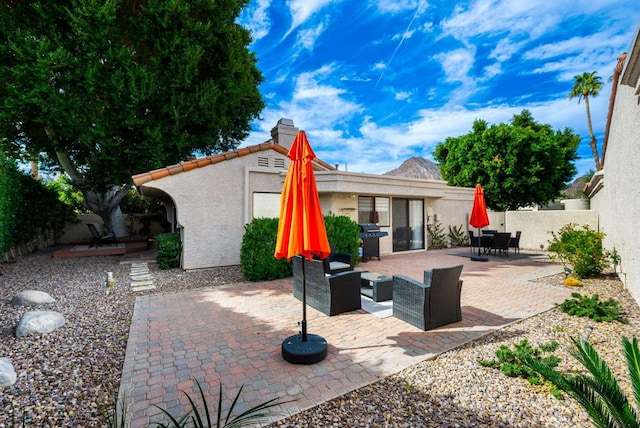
[620,203]
[537,225]
[214,203]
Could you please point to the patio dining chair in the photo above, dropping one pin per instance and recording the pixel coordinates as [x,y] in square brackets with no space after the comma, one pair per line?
[515,242]
[500,243]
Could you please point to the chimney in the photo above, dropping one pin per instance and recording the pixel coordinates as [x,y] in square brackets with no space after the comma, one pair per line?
[284,133]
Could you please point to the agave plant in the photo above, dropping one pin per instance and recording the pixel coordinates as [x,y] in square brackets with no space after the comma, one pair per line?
[599,393]
[201,418]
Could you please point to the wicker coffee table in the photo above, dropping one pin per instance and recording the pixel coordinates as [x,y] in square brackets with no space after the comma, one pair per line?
[376,286]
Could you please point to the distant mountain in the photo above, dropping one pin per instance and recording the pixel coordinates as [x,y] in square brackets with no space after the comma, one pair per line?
[575,190]
[416,167]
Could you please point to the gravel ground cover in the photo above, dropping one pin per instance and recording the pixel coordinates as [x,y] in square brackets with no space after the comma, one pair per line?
[68,378]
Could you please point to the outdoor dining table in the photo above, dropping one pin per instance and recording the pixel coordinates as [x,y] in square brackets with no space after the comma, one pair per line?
[487,241]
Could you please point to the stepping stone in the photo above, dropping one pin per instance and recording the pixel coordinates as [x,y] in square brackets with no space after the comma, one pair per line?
[146,287]
[141,283]
[135,265]
[141,277]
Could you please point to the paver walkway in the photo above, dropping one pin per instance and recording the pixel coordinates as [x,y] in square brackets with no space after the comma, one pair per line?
[233,335]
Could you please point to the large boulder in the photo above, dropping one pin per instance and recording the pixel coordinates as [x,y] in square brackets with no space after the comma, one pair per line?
[39,322]
[31,298]
[8,375]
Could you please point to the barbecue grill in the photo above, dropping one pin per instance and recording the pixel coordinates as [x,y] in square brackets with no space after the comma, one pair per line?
[370,235]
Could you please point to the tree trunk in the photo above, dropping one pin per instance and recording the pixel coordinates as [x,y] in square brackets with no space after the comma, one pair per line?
[107,206]
[594,144]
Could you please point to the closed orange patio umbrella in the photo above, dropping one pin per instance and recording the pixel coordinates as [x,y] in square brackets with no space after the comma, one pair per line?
[302,233]
[479,217]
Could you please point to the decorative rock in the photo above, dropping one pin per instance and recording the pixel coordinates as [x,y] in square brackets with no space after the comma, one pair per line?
[8,375]
[31,298]
[39,322]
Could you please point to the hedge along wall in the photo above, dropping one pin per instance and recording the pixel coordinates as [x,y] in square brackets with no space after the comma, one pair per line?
[31,215]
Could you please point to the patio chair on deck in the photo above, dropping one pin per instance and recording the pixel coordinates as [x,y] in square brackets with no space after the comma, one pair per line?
[431,304]
[99,237]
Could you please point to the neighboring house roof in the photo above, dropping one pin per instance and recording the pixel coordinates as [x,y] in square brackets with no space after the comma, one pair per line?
[145,177]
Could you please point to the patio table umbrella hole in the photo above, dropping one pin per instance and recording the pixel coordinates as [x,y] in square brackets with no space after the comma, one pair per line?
[302,233]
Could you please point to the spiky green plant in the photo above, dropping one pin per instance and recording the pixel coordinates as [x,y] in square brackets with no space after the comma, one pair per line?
[202,418]
[599,393]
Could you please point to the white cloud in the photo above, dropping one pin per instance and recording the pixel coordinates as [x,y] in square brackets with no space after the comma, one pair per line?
[306,38]
[302,10]
[456,64]
[254,17]
[406,35]
[397,6]
[595,43]
[402,95]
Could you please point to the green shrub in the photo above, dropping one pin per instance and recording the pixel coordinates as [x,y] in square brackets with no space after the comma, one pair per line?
[169,249]
[599,393]
[257,259]
[344,234]
[510,361]
[581,249]
[458,237]
[437,237]
[584,306]
[28,209]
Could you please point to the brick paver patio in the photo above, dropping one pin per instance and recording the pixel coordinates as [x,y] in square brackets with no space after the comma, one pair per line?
[232,335]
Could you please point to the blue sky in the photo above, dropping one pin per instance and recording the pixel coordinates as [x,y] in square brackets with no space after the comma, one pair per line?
[376,82]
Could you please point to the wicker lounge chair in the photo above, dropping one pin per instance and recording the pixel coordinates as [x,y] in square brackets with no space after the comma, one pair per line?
[431,304]
[330,294]
[338,262]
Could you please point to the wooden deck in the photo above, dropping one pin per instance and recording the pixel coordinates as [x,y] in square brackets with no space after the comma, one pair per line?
[86,250]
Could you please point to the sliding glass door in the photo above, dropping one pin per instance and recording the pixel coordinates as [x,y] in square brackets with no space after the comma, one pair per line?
[408,224]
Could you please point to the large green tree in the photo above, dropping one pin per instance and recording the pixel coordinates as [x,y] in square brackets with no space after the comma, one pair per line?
[518,164]
[587,85]
[104,89]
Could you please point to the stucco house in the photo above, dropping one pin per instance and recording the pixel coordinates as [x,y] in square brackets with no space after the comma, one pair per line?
[211,199]
[613,191]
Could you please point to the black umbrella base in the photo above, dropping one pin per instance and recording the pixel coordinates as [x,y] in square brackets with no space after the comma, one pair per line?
[295,351]
[479,259]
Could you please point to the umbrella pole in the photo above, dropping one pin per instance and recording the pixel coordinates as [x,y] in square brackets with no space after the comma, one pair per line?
[302,348]
[304,302]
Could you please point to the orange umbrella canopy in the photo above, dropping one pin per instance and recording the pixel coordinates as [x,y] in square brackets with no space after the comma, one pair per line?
[301,229]
[479,217]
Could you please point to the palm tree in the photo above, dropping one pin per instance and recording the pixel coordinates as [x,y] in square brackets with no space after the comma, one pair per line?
[598,393]
[584,86]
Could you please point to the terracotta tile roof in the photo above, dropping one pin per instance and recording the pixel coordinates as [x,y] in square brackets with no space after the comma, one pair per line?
[145,177]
